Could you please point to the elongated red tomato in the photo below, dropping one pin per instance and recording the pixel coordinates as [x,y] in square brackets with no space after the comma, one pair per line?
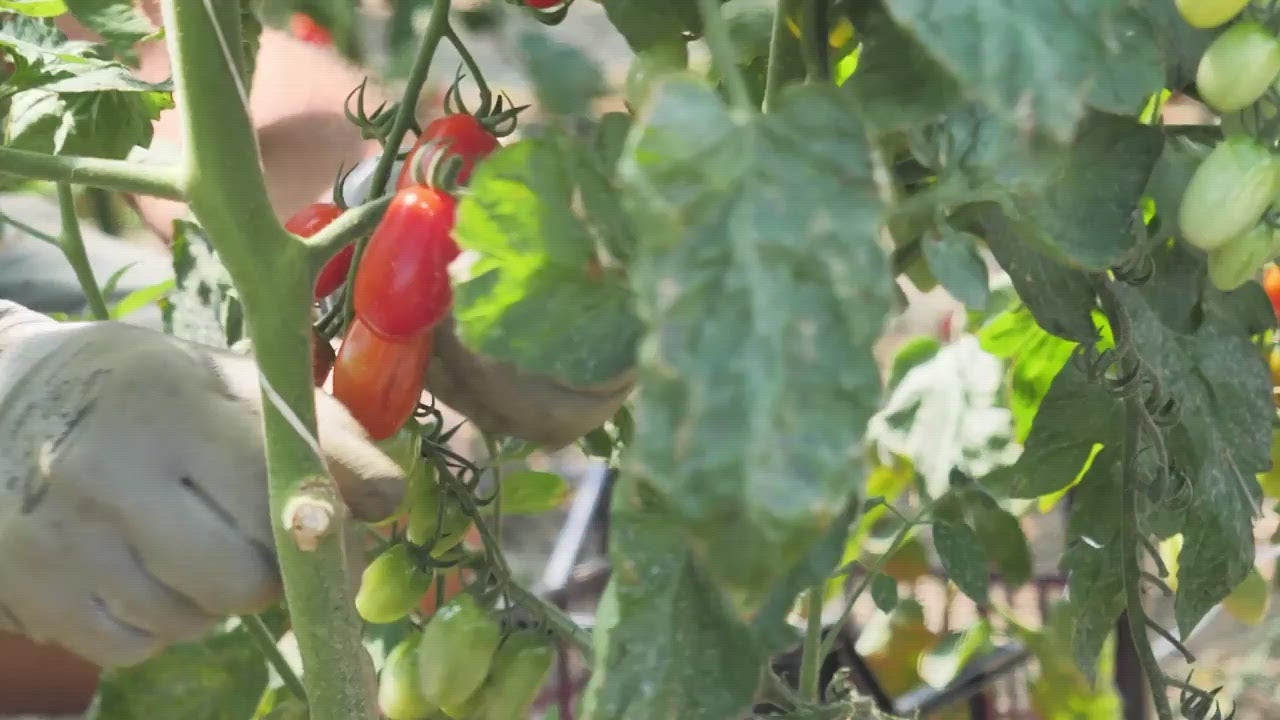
[379,379]
[307,222]
[459,135]
[543,4]
[402,284]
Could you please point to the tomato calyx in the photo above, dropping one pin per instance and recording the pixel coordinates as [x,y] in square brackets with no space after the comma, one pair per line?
[375,124]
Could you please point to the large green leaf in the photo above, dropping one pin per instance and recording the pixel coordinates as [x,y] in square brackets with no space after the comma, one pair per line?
[896,83]
[116,20]
[1223,439]
[647,22]
[1034,356]
[1040,62]
[533,298]
[667,647]
[762,284]
[219,678]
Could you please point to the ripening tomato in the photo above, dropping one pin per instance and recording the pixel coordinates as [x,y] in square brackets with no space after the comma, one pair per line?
[1228,192]
[379,379]
[305,28]
[398,695]
[334,272]
[391,586]
[307,222]
[520,667]
[1209,13]
[402,285]
[1271,283]
[458,135]
[1235,263]
[1238,67]
[456,652]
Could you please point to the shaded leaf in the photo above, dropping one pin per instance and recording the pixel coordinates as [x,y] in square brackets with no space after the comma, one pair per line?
[118,21]
[649,22]
[530,492]
[760,278]
[204,306]
[960,552]
[1002,538]
[953,257]
[944,661]
[884,591]
[565,80]
[1092,561]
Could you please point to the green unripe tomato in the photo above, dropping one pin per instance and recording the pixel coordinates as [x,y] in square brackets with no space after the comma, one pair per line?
[398,695]
[1235,263]
[456,652]
[391,586]
[1238,67]
[1209,13]
[424,513]
[520,667]
[650,64]
[1228,192]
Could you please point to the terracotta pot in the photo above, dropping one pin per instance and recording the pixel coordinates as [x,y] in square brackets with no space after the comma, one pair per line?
[38,678]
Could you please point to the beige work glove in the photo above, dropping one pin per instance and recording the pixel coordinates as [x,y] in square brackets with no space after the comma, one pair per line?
[133,490]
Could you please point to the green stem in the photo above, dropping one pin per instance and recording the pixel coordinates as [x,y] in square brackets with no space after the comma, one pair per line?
[118,175]
[271,651]
[72,244]
[351,225]
[722,53]
[437,25]
[829,641]
[811,660]
[272,273]
[554,617]
[482,87]
[813,40]
[780,47]
[33,232]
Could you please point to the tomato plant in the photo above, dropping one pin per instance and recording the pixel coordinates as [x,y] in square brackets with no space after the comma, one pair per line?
[402,286]
[699,282]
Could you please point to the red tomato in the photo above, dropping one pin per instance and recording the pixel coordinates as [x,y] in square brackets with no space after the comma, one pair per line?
[321,358]
[1271,283]
[305,28]
[402,285]
[458,134]
[334,272]
[543,4]
[379,379]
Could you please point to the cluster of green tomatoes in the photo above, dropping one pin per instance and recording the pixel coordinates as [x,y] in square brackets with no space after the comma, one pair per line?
[1224,206]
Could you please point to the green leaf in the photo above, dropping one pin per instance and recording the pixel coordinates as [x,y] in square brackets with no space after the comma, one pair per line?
[960,552]
[1073,416]
[1039,62]
[953,257]
[913,352]
[141,298]
[1061,691]
[1035,358]
[1086,213]
[1002,538]
[93,124]
[565,80]
[219,678]
[1223,439]
[116,20]
[897,84]
[533,298]
[35,8]
[649,22]
[884,591]
[667,647]
[204,306]
[1092,560]
[943,416]
[1060,298]
[762,284]
[530,492]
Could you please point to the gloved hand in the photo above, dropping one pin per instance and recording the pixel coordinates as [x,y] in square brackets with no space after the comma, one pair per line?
[133,490]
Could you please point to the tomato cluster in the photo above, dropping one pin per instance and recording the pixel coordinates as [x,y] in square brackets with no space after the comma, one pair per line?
[1225,204]
[402,288]
[460,664]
